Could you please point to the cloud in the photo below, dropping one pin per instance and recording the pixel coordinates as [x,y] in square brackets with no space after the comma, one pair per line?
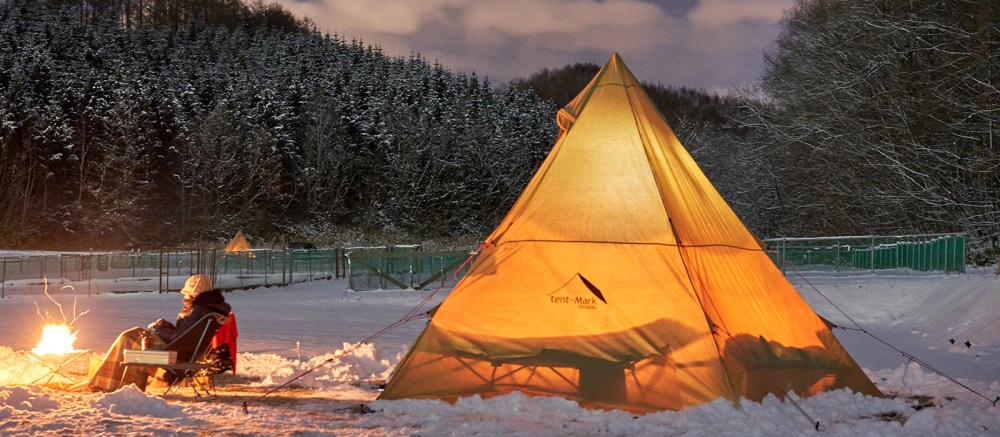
[710,44]
[726,12]
[371,17]
[586,21]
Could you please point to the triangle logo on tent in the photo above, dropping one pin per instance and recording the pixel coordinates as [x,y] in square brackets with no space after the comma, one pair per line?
[566,295]
[593,288]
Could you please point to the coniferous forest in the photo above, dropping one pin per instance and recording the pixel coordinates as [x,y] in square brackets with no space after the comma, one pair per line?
[133,129]
[152,123]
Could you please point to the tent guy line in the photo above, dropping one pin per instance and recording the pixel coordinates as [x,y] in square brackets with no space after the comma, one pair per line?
[859,328]
[347,351]
[774,384]
[413,314]
[919,361]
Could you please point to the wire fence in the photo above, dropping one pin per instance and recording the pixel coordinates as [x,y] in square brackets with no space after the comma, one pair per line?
[401,268]
[944,253]
[371,268]
[408,267]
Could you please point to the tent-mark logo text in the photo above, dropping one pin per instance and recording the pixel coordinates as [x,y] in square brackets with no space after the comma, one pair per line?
[584,302]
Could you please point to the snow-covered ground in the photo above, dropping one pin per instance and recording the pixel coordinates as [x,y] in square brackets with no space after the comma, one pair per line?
[285,331]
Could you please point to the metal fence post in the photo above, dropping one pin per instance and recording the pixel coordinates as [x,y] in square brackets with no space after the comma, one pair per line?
[86,271]
[348,272]
[872,255]
[931,263]
[947,251]
[782,253]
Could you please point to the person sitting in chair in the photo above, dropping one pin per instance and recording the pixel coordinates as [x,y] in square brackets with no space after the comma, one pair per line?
[200,299]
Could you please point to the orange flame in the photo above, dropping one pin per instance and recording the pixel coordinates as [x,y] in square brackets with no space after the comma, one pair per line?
[56,339]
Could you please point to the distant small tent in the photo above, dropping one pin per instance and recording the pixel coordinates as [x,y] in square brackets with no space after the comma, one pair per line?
[621,279]
[237,244]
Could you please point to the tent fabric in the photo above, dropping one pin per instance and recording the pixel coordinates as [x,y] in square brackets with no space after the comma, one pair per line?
[237,244]
[620,278]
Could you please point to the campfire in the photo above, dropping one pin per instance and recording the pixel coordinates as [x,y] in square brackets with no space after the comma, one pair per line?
[55,352]
[57,337]
[56,340]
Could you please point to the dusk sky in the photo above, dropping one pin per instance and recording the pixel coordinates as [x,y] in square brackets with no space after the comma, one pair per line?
[714,45]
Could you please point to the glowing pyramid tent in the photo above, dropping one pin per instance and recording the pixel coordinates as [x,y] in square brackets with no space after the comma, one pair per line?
[237,244]
[621,279]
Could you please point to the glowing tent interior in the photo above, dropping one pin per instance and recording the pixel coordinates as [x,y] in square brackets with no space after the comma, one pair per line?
[238,244]
[621,279]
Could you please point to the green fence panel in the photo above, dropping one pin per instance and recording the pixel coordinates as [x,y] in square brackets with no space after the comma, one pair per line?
[923,253]
[373,269]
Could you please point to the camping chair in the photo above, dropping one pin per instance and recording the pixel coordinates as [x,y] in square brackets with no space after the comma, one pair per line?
[191,347]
